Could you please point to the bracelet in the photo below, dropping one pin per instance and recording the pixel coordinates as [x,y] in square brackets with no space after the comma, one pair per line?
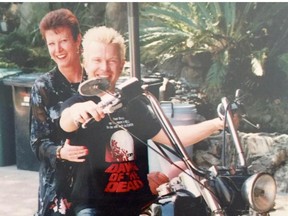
[58,154]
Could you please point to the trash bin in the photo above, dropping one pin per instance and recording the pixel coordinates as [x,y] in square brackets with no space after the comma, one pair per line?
[177,114]
[7,141]
[21,88]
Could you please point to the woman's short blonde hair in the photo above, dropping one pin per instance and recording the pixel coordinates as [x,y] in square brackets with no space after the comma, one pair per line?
[105,35]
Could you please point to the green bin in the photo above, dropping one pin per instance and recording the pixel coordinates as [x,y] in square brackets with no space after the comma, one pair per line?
[21,88]
[7,133]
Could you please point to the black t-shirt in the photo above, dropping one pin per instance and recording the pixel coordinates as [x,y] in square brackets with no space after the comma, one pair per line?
[114,174]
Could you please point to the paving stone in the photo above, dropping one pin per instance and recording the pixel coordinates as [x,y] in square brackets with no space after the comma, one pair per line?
[18,193]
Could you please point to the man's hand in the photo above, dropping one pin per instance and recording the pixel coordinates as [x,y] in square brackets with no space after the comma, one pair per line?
[155,179]
[81,112]
[73,117]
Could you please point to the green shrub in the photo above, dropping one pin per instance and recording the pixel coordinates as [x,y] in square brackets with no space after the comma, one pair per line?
[16,49]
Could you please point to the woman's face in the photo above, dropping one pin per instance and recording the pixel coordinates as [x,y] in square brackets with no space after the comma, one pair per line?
[104,61]
[63,49]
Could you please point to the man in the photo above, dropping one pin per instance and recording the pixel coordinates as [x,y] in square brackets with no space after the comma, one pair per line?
[113,178]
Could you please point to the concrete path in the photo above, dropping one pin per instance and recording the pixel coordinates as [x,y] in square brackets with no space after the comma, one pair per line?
[281,207]
[18,193]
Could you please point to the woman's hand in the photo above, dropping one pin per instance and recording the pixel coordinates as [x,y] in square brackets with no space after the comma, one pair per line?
[73,153]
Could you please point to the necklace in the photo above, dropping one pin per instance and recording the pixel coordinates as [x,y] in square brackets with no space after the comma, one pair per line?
[75,86]
[79,78]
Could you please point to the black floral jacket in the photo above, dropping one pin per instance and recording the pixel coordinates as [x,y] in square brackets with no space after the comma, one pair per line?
[47,93]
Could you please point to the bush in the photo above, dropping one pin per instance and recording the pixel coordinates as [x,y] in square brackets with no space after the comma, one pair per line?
[15,49]
[271,115]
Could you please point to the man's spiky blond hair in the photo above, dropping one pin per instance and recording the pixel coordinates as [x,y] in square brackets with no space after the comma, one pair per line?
[105,35]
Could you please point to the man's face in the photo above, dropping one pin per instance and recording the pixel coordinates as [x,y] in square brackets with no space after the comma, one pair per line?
[104,61]
[63,49]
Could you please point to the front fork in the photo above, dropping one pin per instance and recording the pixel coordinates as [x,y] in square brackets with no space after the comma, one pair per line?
[208,196]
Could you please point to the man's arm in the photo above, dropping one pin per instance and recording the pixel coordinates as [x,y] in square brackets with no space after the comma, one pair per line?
[75,115]
[191,134]
[67,122]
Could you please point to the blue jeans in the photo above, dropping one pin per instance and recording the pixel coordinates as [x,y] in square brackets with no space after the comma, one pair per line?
[87,212]
[95,212]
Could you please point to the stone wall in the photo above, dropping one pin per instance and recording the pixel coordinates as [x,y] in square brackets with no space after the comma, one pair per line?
[264,152]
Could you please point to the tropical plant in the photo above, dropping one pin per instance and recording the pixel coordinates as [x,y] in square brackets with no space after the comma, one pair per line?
[235,34]
[247,43]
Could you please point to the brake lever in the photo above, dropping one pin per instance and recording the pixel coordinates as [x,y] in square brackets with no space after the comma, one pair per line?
[126,92]
[106,110]
[257,126]
[109,104]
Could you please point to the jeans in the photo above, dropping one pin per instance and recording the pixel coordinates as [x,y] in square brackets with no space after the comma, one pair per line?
[87,212]
[95,212]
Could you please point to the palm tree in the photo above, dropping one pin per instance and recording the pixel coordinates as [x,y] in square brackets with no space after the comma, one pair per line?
[236,35]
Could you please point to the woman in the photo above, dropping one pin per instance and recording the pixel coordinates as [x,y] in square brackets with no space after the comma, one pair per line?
[61,32]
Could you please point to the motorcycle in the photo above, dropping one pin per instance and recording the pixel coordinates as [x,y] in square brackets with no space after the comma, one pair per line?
[220,190]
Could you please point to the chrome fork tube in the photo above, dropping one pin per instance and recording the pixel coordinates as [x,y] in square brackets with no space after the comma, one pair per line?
[234,134]
[210,198]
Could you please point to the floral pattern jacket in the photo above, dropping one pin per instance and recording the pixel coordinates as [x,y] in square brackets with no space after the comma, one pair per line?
[47,93]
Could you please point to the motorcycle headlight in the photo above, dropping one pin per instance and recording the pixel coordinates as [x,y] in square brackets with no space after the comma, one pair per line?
[260,191]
